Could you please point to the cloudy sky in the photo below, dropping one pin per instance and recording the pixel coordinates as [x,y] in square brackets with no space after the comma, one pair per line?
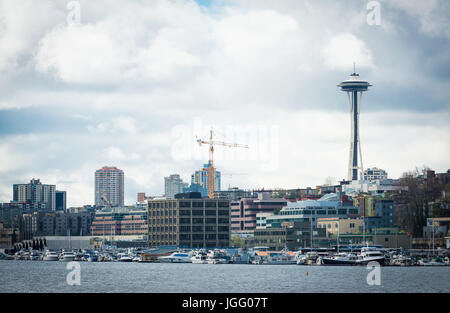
[133,84]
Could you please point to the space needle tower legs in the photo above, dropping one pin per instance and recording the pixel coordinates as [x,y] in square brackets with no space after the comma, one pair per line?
[354,87]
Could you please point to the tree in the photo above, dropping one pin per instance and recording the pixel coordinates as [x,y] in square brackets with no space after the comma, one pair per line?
[237,241]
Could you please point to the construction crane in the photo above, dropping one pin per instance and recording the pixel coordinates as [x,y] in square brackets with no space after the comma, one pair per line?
[211,144]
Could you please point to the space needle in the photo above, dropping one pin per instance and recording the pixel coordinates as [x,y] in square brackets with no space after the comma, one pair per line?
[354,87]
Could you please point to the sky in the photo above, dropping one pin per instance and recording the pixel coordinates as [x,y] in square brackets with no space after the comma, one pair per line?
[135,83]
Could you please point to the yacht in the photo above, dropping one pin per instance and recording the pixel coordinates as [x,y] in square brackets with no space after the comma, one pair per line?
[67,256]
[124,257]
[199,257]
[217,257]
[50,256]
[341,258]
[176,257]
[370,254]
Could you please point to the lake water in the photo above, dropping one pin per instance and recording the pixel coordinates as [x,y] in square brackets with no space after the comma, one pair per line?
[40,276]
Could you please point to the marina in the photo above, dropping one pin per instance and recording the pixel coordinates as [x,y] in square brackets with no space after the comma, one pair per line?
[96,277]
[361,256]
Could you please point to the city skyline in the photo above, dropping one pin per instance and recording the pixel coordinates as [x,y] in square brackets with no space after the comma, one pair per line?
[248,64]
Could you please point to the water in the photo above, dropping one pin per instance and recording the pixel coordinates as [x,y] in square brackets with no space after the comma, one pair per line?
[40,276]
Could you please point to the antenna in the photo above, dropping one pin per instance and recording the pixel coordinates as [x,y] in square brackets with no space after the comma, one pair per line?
[354,67]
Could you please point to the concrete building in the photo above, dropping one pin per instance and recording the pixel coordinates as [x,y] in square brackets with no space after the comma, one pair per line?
[120,222]
[35,193]
[189,221]
[374,174]
[109,184]
[244,211]
[5,239]
[232,194]
[173,185]
[336,226]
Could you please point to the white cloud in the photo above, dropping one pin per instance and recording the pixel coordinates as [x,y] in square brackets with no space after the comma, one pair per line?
[345,49]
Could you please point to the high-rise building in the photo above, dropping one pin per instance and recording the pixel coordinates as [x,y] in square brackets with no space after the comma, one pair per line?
[354,87]
[109,187]
[374,174]
[173,185]
[200,177]
[60,201]
[35,193]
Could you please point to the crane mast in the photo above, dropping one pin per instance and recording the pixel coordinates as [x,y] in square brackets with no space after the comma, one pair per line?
[211,144]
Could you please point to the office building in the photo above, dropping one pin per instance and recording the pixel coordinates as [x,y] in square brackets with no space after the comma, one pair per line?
[109,187]
[243,212]
[189,221]
[120,222]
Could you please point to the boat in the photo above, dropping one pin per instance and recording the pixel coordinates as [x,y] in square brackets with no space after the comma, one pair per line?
[124,257]
[50,256]
[342,258]
[282,257]
[217,257]
[199,257]
[67,256]
[371,254]
[176,257]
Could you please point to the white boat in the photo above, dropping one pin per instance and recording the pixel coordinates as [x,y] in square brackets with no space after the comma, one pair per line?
[50,256]
[199,257]
[124,257]
[341,258]
[216,257]
[67,256]
[370,254]
[282,257]
[176,257]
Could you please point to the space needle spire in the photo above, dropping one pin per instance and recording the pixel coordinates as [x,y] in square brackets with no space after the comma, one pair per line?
[354,87]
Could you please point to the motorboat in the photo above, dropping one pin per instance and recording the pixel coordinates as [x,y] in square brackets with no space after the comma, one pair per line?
[124,257]
[50,256]
[217,257]
[282,257]
[176,257]
[371,254]
[341,258]
[66,256]
[199,257]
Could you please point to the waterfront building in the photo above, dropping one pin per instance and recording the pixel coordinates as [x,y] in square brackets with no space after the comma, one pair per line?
[377,211]
[200,177]
[261,219]
[244,211]
[120,222]
[173,185]
[35,193]
[354,188]
[330,205]
[293,236]
[336,226]
[60,200]
[190,221]
[5,240]
[109,187]
[374,174]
